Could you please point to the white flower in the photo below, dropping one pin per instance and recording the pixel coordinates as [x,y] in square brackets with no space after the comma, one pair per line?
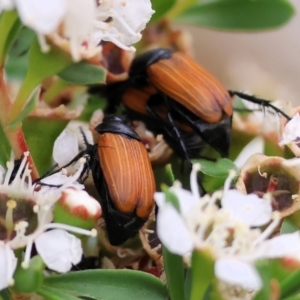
[127,19]
[28,218]
[226,232]
[69,142]
[82,24]
[291,131]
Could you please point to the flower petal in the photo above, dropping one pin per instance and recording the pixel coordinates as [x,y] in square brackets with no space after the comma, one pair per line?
[250,209]
[236,272]
[255,146]
[65,147]
[172,231]
[283,245]
[42,16]
[291,130]
[8,264]
[59,249]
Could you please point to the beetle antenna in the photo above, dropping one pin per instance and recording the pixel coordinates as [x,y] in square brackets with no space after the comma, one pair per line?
[84,137]
[265,103]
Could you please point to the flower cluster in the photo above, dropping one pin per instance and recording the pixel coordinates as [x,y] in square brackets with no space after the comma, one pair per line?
[26,218]
[81,25]
[229,233]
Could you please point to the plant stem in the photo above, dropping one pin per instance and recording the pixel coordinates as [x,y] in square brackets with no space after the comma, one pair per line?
[15,137]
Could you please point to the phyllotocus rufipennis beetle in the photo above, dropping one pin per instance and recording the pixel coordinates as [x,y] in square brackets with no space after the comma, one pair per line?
[175,96]
[123,177]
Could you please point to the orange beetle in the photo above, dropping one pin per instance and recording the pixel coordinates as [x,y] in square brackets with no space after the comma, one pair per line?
[124,179]
[175,96]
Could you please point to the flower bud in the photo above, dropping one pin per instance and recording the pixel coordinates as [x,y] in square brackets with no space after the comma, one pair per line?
[77,208]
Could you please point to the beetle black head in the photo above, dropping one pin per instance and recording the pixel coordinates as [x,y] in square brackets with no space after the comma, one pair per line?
[113,124]
[138,69]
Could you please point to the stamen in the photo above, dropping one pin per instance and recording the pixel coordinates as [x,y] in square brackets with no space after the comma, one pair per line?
[25,263]
[9,266]
[227,184]
[177,184]
[265,175]
[193,178]
[21,168]
[92,232]
[270,229]
[10,167]
[9,222]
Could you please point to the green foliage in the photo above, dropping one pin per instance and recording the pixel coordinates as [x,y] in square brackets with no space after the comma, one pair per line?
[238,14]
[215,173]
[175,274]
[17,62]
[202,265]
[40,134]
[83,73]
[9,27]
[30,280]
[161,8]
[104,284]
[5,148]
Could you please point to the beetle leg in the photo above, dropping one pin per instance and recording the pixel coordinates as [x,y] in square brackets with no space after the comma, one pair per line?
[265,103]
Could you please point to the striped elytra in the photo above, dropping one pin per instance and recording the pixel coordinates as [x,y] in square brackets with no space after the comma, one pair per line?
[186,82]
[128,173]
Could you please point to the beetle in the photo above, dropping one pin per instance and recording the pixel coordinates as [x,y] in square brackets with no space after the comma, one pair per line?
[123,177]
[175,96]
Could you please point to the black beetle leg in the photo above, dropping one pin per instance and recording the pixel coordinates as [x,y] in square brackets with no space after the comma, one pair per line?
[260,101]
[177,133]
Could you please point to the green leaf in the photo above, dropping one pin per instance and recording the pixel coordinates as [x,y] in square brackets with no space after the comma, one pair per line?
[219,168]
[5,295]
[263,268]
[202,265]
[171,197]
[40,134]
[287,227]
[290,285]
[5,148]
[174,269]
[9,27]
[239,14]
[161,8]
[108,285]
[17,62]
[292,298]
[29,107]
[83,73]
[41,66]
[55,294]
[163,175]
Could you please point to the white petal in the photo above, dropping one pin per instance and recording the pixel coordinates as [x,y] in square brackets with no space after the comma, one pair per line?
[250,209]
[2,171]
[8,264]
[172,231]
[65,147]
[186,199]
[238,273]
[59,179]
[291,130]
[78,23]
[42,16]
[6,5]
[283,245]
[255,146]
[59,249]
